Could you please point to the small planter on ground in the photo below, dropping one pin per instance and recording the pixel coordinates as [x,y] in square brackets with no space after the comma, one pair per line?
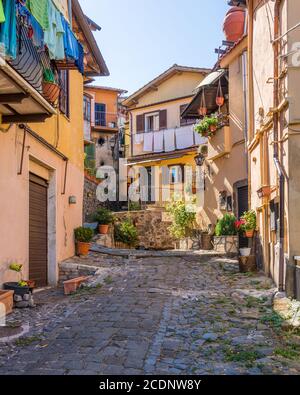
[7,300]
[226,240]
[104,218]
[83,238]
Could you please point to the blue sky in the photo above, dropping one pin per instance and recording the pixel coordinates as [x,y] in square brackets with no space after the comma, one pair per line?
[142,38]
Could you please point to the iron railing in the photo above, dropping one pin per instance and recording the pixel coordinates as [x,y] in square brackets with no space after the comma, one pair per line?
[106,119]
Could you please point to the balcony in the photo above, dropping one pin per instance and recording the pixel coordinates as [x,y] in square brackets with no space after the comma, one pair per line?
[107,121]
[22,97]
[220,144]
[166,141]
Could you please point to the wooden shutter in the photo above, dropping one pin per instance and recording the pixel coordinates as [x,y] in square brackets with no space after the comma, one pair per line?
[163,124]
[140,123]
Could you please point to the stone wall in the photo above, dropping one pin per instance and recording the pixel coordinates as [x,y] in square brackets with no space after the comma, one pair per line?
[70,270]
[90,202]
[152,226]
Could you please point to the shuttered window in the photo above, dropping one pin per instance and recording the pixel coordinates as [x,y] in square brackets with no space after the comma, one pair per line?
[163,122]
[140,123]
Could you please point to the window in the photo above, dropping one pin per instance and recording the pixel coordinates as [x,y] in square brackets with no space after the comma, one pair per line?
[87,108]
[188,121]
[64,96]
[152,122]
[100,114]
[177,174]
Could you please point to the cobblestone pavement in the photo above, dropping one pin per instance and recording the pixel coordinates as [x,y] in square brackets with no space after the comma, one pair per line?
[170,315]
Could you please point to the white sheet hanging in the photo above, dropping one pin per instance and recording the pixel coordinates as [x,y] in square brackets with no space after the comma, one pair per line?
[184,138]
[139,138]
[148,142]
[199,140]
[169,136]
[159,141]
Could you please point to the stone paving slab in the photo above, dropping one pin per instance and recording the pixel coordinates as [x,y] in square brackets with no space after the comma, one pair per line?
[158,315]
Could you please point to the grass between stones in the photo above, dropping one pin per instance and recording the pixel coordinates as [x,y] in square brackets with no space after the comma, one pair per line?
[241,356]
[85,291]
[26,341]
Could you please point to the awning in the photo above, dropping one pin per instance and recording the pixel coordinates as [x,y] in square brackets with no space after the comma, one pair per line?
[211,79]
[209,86]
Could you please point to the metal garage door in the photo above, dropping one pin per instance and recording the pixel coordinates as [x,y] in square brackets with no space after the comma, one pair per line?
[38,230]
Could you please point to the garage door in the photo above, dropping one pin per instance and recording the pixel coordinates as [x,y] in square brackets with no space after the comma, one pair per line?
[38,230]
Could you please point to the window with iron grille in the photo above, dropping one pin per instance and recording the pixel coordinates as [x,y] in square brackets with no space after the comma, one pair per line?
[64,97]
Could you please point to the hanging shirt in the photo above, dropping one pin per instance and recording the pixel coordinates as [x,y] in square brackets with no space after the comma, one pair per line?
[54,35]
[70,41]
[8,30]
[2,16]
[40,10]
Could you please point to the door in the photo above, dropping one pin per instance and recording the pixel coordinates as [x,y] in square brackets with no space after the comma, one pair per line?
[38,230]
[243,206]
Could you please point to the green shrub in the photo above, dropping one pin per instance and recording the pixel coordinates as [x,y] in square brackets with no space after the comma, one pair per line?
[183,219]
[226,226]
[103,216]
[134,206]
[125,232]
[83,235]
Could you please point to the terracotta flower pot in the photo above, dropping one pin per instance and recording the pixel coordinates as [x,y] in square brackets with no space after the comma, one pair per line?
[213,128]
[220,101]
[203,111]
[249,233]
[51,91]
[103,229]
[234,24]
[7,299]
[83,248]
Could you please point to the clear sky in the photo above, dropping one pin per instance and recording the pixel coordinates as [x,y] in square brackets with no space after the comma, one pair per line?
[142,38]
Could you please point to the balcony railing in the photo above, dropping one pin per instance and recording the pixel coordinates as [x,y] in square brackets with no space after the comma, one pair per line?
[32,62]
[106,119]
[166,141]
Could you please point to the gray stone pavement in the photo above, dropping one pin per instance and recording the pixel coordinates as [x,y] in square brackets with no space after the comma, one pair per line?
[158,315]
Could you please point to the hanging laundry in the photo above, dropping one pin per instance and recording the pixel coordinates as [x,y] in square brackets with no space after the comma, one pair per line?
[199,140]
[32,23]
[8,30]
[139,138]
[2,16]
[148,142]
[184,138]
[54,35]
[80,61]
[159,141]
[40,10]
[169,136]
[70,41]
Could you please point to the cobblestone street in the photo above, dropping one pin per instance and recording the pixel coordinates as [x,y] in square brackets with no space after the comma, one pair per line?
[171,315]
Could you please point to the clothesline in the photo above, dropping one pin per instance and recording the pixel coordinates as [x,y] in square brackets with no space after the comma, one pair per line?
[46,27]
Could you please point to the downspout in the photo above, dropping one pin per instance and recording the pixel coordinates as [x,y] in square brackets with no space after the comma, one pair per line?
[70,13]
[277,163]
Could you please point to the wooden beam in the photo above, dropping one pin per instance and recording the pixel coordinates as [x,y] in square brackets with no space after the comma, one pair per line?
[13,97]
[24,118]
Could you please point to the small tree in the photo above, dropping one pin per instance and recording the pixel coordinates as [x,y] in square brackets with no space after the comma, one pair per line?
[182,218]
[226,226]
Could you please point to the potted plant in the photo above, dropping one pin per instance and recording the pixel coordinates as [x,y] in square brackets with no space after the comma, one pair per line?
[213,123]
[126,233]
[104,218]
[83,238]
[19,287]
[249,223]
[51,89]
[226,235]
[202,127]
[7,299]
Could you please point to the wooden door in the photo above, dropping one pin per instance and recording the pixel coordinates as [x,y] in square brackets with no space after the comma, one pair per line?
[38,231]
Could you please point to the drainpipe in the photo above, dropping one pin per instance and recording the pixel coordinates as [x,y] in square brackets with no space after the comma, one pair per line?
[277,163]
[70,12]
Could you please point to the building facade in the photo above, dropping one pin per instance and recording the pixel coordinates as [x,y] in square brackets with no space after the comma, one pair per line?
[157,137]
[41,142]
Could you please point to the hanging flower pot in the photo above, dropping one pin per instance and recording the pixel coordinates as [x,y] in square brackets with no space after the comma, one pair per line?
[51,91]
[220,100]
[203,111]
